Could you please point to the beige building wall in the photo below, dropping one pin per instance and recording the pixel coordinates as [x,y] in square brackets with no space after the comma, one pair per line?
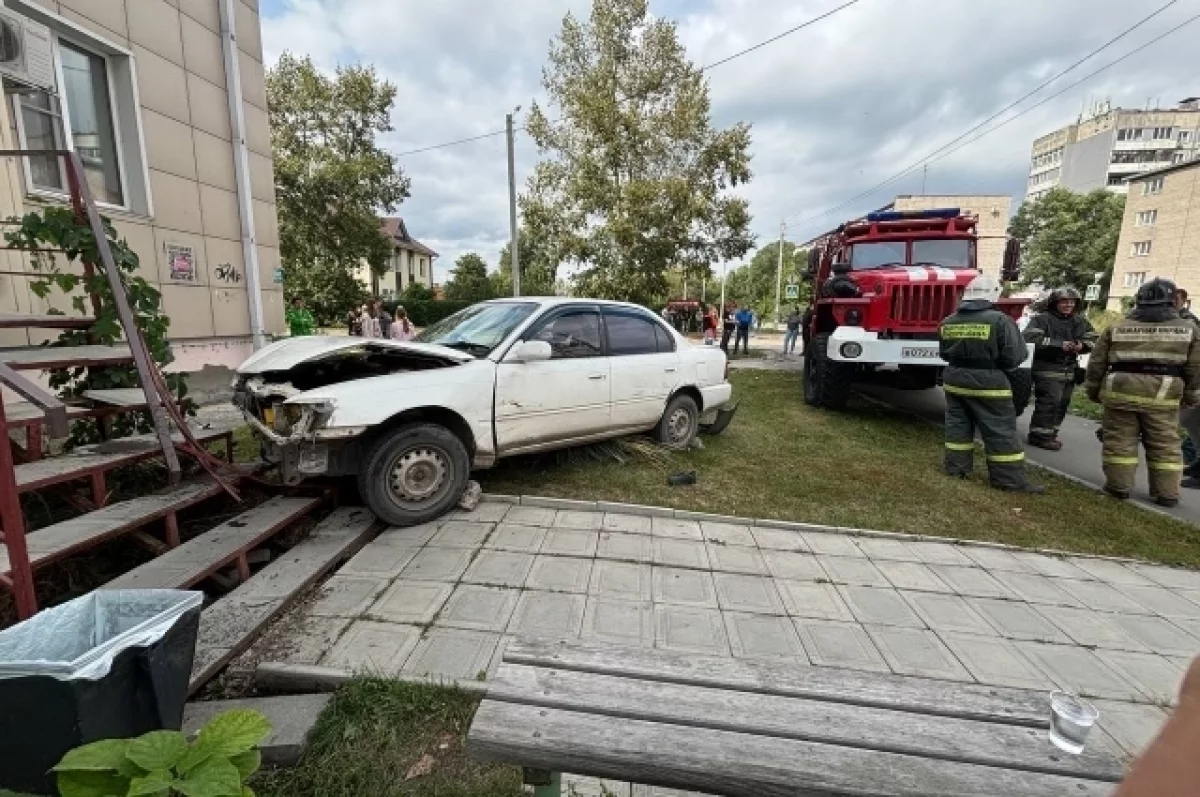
[1160,233]
[166,72]
[397,278]
[993,212]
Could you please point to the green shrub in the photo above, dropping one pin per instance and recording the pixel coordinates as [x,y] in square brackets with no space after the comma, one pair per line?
[424,313]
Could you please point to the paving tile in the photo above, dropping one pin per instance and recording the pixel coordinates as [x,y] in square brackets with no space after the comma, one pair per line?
[847,570]
[1158,634]
[831,544]
[833,644]
[346,596]
[883,548]
[451,654]
[499,568]
[728,533]
[813,600]
[498,656]
[1092,629]
[530,515]
[548,614]
[915,651]
[690,629]
[1035,588]
[1130,725]
[411,536]
[940,553]
[676,529]
[911,575]
[631,524]
[560,574]
[684,587]
[994,558]
[762,636]
[794,566]
[622,580]
[947,613]
[1101,597]
[1110,572]
[1015,620]
[971,581]
[570,542]
[780,540]
[1173,577]
[1191,626]
[511,537]
[576,519]
[1052,566]
[1078,670]
[1158,677]
[994,661]
[580,786]
[379,561]
[479,608]
[462,534]
[373,648]
[437,564]
[1162,601]
[305,639]
[411,601]
[879,606]
[630,547]
[751,594]
[679,553]
[484,512]
[619,621]
[736,559]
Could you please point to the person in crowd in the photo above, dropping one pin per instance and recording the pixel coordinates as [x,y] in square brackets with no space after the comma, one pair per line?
[369,322]
[709,324]
[744,319]
[1143,369]
[840,285]
[299,320]
[1189,418]
[1059,334]
[793,331]
[354,321]
[980,345]
[728,325]
[401,328]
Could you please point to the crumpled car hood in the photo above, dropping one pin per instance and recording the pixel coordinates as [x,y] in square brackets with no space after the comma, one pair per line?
[290,352]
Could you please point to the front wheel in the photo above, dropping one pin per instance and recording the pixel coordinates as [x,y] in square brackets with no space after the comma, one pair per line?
[679,423]
[414,473]
[827,382]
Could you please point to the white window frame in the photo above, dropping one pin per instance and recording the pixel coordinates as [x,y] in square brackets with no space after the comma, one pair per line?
[1153,187]
[1146,218]
[1140,248]
[1134,279]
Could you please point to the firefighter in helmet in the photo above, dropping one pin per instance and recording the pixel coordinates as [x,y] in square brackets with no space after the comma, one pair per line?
[1142,370]
[1059,334]
[980,345]
[840,285]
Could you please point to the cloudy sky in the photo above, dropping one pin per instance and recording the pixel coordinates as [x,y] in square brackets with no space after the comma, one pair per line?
[835,108]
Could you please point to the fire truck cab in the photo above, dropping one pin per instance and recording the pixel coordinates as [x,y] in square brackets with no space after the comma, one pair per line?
[882,285]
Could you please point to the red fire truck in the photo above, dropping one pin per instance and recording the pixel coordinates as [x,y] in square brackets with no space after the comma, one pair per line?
[883,284]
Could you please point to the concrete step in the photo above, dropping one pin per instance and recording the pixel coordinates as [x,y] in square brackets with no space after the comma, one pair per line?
[292,719]
[53,358]
[44,321]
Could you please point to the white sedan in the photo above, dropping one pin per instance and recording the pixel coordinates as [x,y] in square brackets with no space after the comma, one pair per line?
[505,377]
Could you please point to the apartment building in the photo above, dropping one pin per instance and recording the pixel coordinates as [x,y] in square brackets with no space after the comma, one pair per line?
[165,102]
[411,262]
[1111,145]
[1160,232]
[993,211]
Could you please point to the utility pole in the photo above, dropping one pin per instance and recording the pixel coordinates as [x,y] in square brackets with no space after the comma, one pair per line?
[721,314]
[924,178]
[514,245]
[779,272]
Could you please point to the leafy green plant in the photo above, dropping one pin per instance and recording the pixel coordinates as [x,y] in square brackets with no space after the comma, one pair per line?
[216,763]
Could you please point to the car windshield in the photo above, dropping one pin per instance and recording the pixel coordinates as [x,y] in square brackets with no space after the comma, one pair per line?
[878,255]
[479,328]
[944,253]
[940,252]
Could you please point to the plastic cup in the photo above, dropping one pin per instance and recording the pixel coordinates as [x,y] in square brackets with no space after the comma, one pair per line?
[1071,719]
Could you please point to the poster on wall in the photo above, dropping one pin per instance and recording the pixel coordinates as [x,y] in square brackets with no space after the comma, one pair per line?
[181,263]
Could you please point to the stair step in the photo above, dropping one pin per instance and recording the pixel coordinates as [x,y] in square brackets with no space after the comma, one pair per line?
[118,396]
[59,540]
[292,719]
[199,558]
[44,321]
[232,623]
[50,358]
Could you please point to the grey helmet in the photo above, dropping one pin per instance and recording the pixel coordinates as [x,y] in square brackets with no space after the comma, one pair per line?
[1058,294]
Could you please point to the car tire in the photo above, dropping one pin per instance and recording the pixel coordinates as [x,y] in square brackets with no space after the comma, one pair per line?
[414,473]
[827,383]
[679,424]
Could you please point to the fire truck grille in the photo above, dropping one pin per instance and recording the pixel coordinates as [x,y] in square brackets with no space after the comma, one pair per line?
[923,305]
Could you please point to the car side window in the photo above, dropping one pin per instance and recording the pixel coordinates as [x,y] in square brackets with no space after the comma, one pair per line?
[666,342]
[630,333]
[571,334]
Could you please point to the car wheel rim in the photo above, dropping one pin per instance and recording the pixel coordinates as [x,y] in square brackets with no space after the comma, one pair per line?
[419,475]
[679,426]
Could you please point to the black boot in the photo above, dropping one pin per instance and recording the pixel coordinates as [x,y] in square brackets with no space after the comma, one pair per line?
[1193,470]
[1029,488]
[1169,503]
[1120,495]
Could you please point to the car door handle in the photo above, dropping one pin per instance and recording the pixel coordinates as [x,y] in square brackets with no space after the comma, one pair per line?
[597,376]
[670,370]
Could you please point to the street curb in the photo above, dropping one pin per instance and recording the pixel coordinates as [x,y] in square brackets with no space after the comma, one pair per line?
[279,677]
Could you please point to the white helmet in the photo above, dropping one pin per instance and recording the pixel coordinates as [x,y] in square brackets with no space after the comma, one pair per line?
[984,287]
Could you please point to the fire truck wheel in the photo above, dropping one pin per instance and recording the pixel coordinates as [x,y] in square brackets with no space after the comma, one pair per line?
[826,382]
[1021,381]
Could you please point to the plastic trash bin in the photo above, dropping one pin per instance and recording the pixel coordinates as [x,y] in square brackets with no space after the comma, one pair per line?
[111,664]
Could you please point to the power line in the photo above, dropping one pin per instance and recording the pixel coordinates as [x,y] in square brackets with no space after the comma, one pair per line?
[454,143]
[937,153]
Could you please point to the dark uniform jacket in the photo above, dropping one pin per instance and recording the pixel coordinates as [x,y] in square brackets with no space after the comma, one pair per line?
[980,344]
[1048,331]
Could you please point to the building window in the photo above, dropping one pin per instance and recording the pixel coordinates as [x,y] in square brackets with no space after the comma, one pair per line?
[1185,136]
[1163,132]
[1145,218]
[1179,157]
[1134,279]
[1116,179]
[1140,249]
[1129,134]
[1151,187]
[421,268]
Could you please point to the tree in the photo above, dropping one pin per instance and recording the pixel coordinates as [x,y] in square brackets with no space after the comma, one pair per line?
[537,271]
[331,179]
[754,283]
[417,292]
[1068,238]
[636,180]
[469,280]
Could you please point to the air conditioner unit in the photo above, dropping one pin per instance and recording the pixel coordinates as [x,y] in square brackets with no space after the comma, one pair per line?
[26,52]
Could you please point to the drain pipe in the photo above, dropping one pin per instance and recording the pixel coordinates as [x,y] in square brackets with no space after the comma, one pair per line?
[241,169]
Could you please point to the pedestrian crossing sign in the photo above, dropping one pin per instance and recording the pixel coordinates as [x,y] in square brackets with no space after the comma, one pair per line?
[791,291]
[1092,294]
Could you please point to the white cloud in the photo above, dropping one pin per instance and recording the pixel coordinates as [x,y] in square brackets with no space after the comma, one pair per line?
[835,108]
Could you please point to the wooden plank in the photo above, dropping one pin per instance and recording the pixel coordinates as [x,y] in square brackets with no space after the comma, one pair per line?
[737,764]
[44,321]
[886,730]
[22,413]
[904,693]
[47,358]
[118,396]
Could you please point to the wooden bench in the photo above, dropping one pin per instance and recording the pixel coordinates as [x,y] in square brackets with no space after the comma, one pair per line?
[754,728]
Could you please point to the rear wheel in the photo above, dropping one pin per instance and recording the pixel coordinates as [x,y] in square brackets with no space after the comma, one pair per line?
[827,382]
[414,473]
[679,423]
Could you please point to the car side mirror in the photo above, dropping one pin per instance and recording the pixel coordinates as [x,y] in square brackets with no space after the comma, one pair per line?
[532,351]
[1011,270]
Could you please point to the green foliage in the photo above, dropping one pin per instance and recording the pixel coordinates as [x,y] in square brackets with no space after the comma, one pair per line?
[424,313]
[538,272]
[56,228]
[754,283]
[1068,238]
[417,292]
[163,763]
[331,179]
[469,280]
[637,181]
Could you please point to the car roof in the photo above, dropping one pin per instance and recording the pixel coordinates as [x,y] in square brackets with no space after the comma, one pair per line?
[556,301]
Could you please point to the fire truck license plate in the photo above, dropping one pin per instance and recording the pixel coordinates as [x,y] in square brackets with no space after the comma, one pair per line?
[921,353]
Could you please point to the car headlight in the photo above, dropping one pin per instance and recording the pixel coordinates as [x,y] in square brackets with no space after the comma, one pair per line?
[851,350]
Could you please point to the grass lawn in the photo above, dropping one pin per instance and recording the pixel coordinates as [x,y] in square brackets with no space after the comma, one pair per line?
[868,467]
[377,736]
[1084,407]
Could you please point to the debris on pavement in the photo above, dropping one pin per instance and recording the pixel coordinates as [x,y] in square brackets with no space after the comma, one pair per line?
[470,496]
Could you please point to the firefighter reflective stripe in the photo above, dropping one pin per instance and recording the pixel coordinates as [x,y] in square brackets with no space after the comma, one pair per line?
[1167,381]
[966,332]
[1152,333]
[1130,461]
[1152,465]
[1147,355]
[1141,401]
[960,446]
[1006,457]
[1047,374]
[978,392]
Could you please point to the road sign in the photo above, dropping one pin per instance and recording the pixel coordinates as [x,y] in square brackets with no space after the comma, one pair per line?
[279,276]
[791,291]
[1092,294]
